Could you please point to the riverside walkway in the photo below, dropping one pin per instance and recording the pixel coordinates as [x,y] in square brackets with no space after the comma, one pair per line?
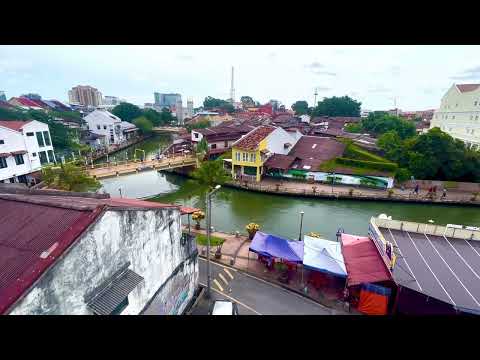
[318,190]
[111,169]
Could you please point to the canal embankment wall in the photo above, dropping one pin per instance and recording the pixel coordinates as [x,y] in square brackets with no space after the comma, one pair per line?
[302,189]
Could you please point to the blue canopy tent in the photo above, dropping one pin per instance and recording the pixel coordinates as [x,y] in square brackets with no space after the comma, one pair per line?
[323,255]
[277,247]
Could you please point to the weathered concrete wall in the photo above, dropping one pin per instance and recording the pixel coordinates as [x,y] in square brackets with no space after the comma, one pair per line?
[150,240]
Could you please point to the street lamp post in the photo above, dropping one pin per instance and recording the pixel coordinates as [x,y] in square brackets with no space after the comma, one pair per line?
[301,224]
[209,225]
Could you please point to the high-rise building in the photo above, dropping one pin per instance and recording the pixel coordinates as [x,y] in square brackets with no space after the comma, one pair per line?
[232,89]
[167,100]
[188,113]
[3,97]
[85,95]
[179,111]
[111,100]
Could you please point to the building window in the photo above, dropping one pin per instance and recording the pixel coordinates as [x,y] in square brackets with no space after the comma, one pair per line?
[471,117]
[98,127]
[50,156]
[30,134]
[40,139]
[104,127]
[245,157]
[46,135]
[19,159]
[446,116]
[237,156]
[196,135]
[453,117]
[225,144]
[253,157]
[475,103]
[34,154]
[3,163]
[214,146]
[476,117]
[2,142]
[43,157]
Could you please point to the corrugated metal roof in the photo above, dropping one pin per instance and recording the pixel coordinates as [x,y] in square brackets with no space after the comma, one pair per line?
[32,237]
[111,295]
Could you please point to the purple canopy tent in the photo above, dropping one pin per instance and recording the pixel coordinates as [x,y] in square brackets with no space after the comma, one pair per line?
[277,247]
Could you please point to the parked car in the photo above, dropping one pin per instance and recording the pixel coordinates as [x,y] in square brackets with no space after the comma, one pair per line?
[223,307]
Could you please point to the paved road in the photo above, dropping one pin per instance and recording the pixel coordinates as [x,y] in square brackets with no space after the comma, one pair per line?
[254,296]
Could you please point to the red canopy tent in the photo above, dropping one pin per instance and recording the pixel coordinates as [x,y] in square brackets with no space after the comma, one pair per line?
[365,266]
[362,261]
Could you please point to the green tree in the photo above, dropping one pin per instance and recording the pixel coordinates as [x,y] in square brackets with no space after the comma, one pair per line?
[300,107]
[210,174]
[382,123]
[153,116]
[127,111]
[201,124]
[69,177]
[202,147]
[211,102]
[61,135]
[144,125]
[337,106]
[247,101]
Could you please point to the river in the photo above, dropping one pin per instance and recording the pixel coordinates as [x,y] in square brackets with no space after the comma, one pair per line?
[232,209]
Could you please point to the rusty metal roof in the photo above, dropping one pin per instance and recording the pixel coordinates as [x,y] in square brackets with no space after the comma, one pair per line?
[32,238]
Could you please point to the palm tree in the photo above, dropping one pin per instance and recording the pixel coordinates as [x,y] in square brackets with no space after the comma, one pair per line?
[69,177]
[210,174]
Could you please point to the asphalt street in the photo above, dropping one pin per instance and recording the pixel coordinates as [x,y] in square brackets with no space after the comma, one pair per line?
[255,296]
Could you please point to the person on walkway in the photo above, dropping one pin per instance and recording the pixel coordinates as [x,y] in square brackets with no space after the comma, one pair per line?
[416,189]
[444,195]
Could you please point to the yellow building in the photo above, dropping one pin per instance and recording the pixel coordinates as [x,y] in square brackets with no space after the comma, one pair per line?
[251,151]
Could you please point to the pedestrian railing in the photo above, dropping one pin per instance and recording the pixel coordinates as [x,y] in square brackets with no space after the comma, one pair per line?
[430,229]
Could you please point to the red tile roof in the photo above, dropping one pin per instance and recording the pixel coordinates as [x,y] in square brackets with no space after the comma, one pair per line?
[253,138]
[26,102]
[37,229]
[13,124]
[467,87]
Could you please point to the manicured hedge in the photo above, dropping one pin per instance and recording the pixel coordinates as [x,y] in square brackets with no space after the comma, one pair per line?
[375,165]
[354,152]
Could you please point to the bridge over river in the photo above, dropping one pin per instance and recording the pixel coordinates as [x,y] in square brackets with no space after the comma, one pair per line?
[110,169]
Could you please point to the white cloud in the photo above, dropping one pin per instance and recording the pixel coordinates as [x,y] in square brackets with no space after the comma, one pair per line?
[287,73]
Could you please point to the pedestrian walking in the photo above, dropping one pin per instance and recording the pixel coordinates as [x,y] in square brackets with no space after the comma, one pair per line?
[416,189]
[444,195]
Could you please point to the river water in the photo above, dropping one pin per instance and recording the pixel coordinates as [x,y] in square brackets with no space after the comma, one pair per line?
[232,209]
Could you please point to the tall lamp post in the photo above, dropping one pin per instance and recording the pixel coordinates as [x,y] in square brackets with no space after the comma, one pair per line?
[301,224]
[209,225]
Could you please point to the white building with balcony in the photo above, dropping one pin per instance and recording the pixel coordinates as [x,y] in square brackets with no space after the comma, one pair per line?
[24,147]
[459,114]
[116,131]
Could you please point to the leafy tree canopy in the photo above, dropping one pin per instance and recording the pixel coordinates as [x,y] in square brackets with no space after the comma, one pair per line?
[210,174]
[382,123]
[337,106]
[300,107]
[201,124]
[144,125]
[127,111]
[247,101]
[69,177]
[211,102]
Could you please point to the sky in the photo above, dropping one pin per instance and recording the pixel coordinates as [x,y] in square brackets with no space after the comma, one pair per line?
[416,76]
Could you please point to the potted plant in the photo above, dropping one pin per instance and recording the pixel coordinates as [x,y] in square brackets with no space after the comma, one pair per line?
[252,228]
[283,270]
[198,216]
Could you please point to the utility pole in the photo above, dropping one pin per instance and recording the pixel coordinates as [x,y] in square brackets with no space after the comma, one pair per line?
[301,225]
[208,204]
[315,100]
